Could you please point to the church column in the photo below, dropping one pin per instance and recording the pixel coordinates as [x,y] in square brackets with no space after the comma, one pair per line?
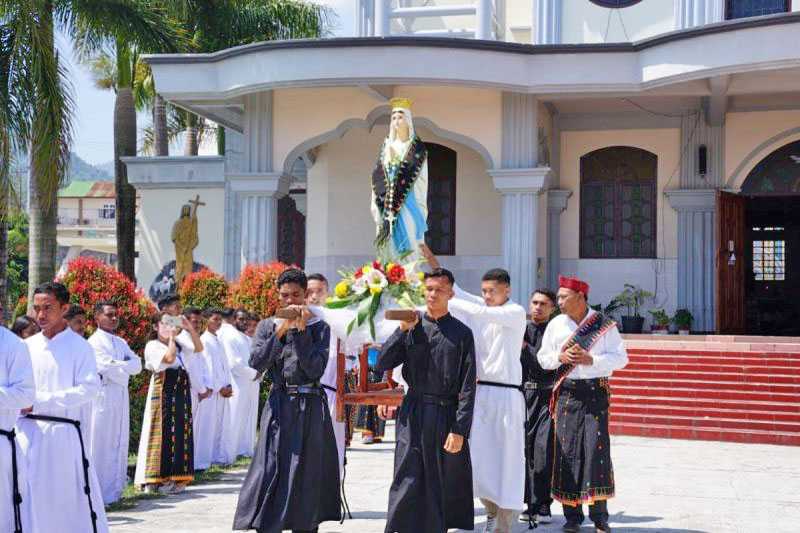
[696,246]
[556,204]
[546,22]
[520,181]
[252,191]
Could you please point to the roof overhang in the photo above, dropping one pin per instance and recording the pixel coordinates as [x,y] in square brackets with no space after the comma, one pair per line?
[213,84]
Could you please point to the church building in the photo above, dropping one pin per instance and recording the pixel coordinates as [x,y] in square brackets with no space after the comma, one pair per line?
[649,142]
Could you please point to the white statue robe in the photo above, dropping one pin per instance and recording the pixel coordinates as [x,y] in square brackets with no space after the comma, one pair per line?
[199,382]
[608,352]
[497,439]
[16,392]
[240,431]
[420,195]
[214,410]
[328,380]
[65,374]
[116,362]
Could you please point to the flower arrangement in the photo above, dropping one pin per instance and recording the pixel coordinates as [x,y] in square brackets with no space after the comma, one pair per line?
[365,288]
[256,289]
[89,281]
[203,289]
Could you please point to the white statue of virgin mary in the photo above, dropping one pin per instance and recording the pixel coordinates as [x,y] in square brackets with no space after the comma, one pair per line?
[400,187]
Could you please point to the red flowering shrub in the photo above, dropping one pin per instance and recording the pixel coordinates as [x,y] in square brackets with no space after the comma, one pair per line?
[21,309]
[204,289]
[255,290]
[89,281]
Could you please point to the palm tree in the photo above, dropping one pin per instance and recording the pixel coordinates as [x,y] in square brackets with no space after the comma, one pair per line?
[213,25]
[47,127]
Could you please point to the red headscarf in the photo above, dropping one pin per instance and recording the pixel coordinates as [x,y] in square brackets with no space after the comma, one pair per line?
[574,284]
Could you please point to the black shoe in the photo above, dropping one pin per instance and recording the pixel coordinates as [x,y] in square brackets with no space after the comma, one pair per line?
[543,515]
[602,528]
[572,527]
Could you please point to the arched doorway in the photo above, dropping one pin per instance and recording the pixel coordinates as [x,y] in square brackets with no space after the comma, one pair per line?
[771,253]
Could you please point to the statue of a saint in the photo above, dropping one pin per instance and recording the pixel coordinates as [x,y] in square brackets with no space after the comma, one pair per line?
[185,239]
[400,187]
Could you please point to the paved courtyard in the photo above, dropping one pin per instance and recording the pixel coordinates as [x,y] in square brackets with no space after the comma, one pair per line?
[667,486]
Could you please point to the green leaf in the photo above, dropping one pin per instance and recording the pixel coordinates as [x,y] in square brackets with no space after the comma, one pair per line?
[340,303]
[373,309]
[363,310]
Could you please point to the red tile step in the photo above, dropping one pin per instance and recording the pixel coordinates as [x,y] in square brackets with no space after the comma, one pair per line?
[705,384]
[717,360]
[700,422]
[790,407]
[714,353]
[641,388]
[688,432]
[658,366]
[634,372]
[716,412]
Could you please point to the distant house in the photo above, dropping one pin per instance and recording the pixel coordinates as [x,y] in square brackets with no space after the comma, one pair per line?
[87,221]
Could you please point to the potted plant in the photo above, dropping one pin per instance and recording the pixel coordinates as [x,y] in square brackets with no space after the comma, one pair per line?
[661,322]
[632,299]
[683,320]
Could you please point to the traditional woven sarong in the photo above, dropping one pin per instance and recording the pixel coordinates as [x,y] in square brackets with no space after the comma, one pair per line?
[170,450]
[582,469]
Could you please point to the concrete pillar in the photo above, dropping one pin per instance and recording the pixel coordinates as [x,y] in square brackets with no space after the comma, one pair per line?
[546,22]
[556,204]
[483,19]
[383,9]
[696,253]
[691,13]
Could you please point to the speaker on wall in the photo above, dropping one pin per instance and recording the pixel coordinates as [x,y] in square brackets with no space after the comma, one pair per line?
[702,160]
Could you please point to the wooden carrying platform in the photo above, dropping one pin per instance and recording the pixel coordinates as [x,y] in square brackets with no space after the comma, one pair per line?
[366,393]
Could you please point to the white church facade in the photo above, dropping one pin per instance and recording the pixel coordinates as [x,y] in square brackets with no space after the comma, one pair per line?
[651,142]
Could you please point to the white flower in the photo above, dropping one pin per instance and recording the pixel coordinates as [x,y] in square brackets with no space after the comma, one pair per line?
[360,285]
[375,279]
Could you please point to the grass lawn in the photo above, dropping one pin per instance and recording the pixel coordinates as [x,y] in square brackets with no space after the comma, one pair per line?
[131,496]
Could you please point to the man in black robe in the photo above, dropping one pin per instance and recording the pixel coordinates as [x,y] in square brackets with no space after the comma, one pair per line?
[293,481]
[432,487]
[537,385]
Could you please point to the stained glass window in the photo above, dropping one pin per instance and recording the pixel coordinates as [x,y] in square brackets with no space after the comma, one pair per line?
[618,203]
[615,3]
[769,254]
[736,9]
[441,235]
[776,174]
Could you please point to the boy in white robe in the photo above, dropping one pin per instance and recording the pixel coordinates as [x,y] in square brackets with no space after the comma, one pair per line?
[116,362]
[240,431]
[200,380]
[213,412]
[16,393]
[497,440]
[64,494]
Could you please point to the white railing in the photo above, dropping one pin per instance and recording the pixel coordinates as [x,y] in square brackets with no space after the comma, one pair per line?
[375,18]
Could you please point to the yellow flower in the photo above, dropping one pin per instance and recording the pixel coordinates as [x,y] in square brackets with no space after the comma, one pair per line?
[375,289]
[389,267]
[366,269]
[342,289]
[421,275]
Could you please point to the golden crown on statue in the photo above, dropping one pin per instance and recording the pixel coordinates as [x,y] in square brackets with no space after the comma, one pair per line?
[401,103]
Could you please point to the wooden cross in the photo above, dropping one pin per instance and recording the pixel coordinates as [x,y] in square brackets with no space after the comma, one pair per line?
[196,202]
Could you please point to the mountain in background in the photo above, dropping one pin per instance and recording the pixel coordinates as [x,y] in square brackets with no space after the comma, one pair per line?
[80,170]
[107,167]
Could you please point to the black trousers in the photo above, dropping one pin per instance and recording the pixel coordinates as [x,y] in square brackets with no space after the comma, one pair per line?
[598,513]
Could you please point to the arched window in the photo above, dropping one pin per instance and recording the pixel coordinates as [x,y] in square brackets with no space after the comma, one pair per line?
[776,174]
[618,203]
[615,4]
[441,236]
[737,9]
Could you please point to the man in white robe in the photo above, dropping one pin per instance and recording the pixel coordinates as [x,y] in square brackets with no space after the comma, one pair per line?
[213,412]
[201,387]
[497,439]
[240,432]
[316,294]
[116,362]
[16,393]
[65,495]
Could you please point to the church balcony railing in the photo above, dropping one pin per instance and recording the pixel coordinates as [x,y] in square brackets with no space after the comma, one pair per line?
[375,18]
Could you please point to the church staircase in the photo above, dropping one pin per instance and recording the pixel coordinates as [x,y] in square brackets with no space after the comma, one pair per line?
[724,388]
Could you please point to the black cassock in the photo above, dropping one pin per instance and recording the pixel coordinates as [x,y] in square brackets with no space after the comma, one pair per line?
[293,481]
[432,489]
[537,385]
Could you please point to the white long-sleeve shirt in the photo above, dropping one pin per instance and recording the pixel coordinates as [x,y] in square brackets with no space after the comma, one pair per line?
[608,352]
[215,360]
[16,378]
[115,360]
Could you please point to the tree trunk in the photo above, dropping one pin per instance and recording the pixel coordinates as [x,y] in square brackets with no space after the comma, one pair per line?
[6,312]
[160,136]
[125,145]
[190,145]
[43,245]
[220,140]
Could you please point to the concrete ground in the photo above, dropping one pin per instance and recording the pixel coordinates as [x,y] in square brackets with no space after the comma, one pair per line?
[667,486]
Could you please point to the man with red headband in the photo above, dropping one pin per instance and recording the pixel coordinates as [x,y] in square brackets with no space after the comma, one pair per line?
[585,347]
